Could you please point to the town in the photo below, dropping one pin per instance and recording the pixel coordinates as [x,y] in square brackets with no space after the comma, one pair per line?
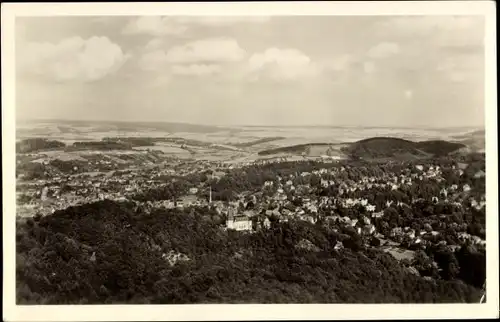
[379,205]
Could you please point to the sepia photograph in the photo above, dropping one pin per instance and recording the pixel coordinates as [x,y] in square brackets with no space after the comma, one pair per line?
[232,158]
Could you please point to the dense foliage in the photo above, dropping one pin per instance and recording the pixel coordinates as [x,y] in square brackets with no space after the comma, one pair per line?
[299,148]
[258,141]
[438,147]
[380,147]
[134,141]
[37,144]
[108,252]
[101,145]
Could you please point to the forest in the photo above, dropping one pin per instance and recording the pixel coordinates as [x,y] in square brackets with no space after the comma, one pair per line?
[109,252]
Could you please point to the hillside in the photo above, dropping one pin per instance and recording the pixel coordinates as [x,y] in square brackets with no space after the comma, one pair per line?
[107,252]
[439,147]
[304,149]
[372,148]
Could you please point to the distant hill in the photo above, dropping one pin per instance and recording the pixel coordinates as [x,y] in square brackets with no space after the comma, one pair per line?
[372,148]
[172,127]
[383,147]
[475,141]
[394,147]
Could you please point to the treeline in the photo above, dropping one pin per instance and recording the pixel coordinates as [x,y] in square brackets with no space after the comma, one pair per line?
[258,141]
[101,145]
[299,148]
[134,141]
[107,252]
[37,144]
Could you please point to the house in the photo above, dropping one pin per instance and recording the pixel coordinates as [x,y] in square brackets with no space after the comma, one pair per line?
[267,223]
[238,222]
[371,208]
[339,245]
[479,174]
[369,229]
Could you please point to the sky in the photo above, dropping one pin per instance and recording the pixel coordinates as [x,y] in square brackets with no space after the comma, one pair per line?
[406,71]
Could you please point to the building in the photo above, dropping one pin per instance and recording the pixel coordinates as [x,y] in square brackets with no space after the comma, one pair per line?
[239,223]
[44,193]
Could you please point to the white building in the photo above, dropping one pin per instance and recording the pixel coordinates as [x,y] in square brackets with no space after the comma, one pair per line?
[238,222]
[267,223]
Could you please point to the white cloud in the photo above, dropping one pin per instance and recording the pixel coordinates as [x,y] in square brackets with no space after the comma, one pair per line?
[282,64]
[152,60]
[207,50]
[71,59]
[340,63]
[154,44]
[196,69]
[426,25]
[461,68]
[383,50]
[176,25]
[221,20]
[154,25]
[442,30]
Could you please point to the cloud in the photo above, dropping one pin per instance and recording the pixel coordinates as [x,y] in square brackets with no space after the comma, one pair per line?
[383,50]
[443,31]
[207,50]
[461,68]
[426,25]
[218,21]
[196,69]
[177,25]
[282,64]
[340,63]
[153,25]
[71,59]
[152,60]
[155,43]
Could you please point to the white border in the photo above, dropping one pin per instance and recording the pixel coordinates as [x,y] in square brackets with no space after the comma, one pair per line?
[245,312]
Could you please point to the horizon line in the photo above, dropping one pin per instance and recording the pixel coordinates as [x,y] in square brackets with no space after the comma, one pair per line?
[246,125]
